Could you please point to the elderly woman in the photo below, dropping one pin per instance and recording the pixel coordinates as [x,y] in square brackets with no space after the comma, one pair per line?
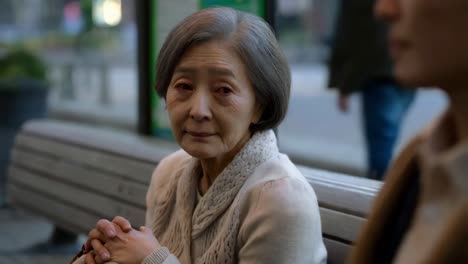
[421,213]
[228,196]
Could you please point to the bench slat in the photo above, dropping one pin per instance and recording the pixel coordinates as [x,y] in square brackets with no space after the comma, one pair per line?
[64,215]
[86,177]
[340,225]
[358,183]
[340,192]
[125,166]
[337,251]
[103,206]
[102,138]
[338,198]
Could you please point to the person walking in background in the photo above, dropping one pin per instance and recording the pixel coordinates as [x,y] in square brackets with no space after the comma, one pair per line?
[360,63]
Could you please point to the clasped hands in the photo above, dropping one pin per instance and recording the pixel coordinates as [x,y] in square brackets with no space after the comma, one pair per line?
[118,242]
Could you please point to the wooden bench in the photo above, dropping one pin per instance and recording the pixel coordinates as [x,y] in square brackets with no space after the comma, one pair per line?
[75,174]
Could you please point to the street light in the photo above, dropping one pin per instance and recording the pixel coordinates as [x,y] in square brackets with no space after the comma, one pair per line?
[107,12]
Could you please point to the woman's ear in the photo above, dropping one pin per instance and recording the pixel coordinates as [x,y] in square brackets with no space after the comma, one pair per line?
[257,114]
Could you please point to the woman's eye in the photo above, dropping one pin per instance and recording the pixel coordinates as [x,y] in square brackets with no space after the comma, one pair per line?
[183,86]
[225,90]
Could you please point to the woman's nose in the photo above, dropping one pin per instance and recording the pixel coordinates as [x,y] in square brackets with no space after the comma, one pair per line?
[200,107]
[386,10]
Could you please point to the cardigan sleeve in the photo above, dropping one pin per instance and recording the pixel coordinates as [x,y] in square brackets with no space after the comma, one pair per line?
[161,256]
[282,225]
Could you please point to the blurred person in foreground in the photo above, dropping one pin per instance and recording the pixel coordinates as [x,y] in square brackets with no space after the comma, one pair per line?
[420,215]
[360,63]
[228,196]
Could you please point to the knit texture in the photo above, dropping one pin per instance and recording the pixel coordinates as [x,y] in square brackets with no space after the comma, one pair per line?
[158,256]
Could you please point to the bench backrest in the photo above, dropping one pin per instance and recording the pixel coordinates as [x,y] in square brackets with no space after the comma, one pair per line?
[75,174]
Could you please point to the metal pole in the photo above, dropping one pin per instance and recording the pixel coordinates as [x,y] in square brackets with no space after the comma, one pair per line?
[144,79]
[270,18]
[270,14]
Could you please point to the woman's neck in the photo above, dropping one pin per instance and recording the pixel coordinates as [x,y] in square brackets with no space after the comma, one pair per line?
[210,169]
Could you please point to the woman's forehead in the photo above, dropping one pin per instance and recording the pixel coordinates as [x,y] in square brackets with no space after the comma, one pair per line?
[215,57]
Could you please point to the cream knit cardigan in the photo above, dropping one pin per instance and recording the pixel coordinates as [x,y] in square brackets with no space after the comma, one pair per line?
[260,209]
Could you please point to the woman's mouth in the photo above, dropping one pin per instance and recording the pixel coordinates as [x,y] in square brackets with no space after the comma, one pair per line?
[199,134]
[396,47]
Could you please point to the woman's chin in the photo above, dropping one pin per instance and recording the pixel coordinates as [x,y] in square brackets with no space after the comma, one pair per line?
[198,152]
[411,79]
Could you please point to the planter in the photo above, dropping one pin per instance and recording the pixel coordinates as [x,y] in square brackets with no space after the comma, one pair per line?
[19,101]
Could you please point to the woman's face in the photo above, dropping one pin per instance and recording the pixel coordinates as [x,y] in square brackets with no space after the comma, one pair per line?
[211,102]
[428,40]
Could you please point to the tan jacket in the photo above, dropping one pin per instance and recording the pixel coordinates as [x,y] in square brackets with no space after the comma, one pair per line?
[438,231]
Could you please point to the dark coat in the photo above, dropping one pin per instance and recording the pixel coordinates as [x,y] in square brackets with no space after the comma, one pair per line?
[359,50]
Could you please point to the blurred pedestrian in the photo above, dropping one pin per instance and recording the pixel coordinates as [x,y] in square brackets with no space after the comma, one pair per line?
[360,63]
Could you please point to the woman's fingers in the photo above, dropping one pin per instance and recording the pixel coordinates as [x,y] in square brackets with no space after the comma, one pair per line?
[90,258]
[98,236]
[100,251]
[123,223]
[94,234]
[145,229]
[98,260]
[104,230]
[93,259]
[106,227]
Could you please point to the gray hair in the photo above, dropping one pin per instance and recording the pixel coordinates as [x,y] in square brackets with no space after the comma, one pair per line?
[253,41]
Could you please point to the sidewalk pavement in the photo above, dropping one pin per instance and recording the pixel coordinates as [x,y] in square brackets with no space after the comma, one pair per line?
[25,239]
